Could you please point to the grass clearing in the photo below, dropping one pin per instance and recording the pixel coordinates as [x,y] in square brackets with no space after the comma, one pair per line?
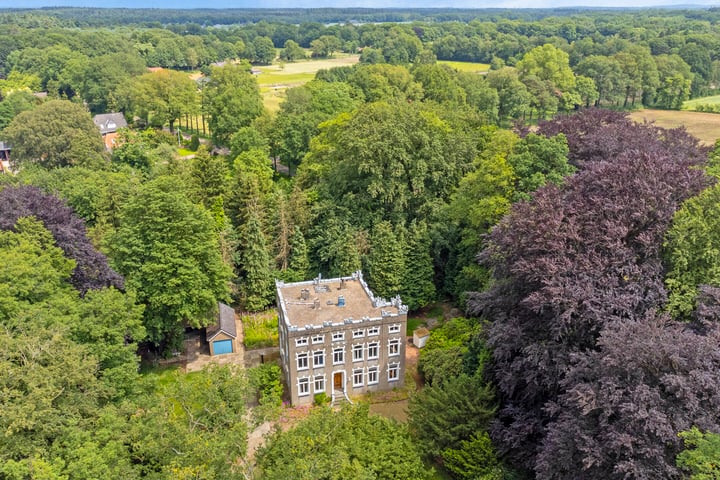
[704,126]
[466,66]
[692,104]
[414,323]
[260,329]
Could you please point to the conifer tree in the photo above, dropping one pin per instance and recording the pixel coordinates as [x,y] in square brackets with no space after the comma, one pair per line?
[253,263]
[386,262]
[299,266]
[418,289]
[210,176]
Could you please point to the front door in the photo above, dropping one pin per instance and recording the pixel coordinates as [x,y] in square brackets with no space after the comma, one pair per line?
[337,380]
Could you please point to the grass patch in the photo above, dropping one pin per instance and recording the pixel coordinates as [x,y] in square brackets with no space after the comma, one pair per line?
[260,329]
[412,324]
[704,126]
[466,66]
[184,152]
[280,77]
[695,102]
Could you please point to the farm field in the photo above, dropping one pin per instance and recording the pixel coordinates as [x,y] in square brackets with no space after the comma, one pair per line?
[466,66]
[275,79]
[704,126]
[693,104]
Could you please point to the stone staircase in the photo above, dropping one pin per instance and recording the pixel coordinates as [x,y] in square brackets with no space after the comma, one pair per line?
[339,398]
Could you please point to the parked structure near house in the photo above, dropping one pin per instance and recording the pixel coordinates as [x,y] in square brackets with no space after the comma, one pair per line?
[109,124]
[420,337]
[337,338]
[4,157]
[222,337]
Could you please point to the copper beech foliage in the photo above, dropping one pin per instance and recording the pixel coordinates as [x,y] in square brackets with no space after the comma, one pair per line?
[594,381]
[92,270]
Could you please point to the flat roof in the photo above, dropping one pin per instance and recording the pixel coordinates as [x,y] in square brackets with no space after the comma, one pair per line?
[319,305]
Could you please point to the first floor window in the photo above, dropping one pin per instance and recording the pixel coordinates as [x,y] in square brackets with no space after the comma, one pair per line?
[338,356]
[358,378]
[394,328]
[319,383]
[304,386]
[302,361]
[301,342]
[357,353]
[373,331]
[372,375]
[338,336]
[393,372]
[319,358]
[358,333]
[394,347]
[373,350]
[318,339]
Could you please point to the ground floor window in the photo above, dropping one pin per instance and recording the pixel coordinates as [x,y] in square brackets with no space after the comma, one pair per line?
[372,375]
[303,386]
[358,378]
[393,372]
[319,383]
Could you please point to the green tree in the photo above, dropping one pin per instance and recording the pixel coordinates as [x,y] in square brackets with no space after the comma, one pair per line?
[548,63]
[253,262]
[514,99]
[325,46]
[476,459]
[292,52]
[232,100]
[210,176]
[299,263]
[57,133]
[417,288]
[264,50]
[168,250]
[702,454]
[350,443]
[386,260]
[14,103]
[537,160]
[162,97]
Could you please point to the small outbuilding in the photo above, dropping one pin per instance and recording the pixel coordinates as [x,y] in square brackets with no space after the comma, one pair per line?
[222,336]
[420,337]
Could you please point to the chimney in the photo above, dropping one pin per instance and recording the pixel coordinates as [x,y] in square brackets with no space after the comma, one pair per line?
[305,294]
[316,303]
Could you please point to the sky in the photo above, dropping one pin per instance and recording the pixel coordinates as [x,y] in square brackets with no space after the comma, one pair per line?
[348,3]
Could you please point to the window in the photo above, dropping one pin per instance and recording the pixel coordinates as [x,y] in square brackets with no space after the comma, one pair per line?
[338,355]
[394,347]
[373,350]
[338,336]
[358,378]
[301,342]
[302,361]
[394,328]
[319,358]
[303,386]
[319,383]
[373,331]
[372,375]
[393,372]
[357,353]
[318,339]
[358,333]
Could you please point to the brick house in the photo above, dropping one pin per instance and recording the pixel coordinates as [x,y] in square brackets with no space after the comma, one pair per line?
[337,338]
[109,124]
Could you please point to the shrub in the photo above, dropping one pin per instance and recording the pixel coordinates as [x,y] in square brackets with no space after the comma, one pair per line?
[194,143]
[261,329]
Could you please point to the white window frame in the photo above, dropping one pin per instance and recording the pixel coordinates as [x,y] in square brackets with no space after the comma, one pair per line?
[395,328]
[338,336]
[318,339]
[393,367]
[357,352]
[373,331]
[305,364]
[321,380]
[318,354]
[303,386]
[358,333]
[373,346]
[372,374]
[393,347]
[301,342]
[341,351]
[358,374]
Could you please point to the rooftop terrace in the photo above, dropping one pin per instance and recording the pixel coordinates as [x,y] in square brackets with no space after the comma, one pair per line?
[317,302]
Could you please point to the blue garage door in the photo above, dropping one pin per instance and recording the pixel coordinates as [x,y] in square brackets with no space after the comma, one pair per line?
[222,346]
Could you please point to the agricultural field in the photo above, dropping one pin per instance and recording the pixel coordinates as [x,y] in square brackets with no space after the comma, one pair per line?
[694,103]
[275,79]
[704,126]
[466,66]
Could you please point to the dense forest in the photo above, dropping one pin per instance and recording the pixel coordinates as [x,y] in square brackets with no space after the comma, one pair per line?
[581,245]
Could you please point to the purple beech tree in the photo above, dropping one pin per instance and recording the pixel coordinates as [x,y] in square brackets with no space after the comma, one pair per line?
[92,271]
[593,382]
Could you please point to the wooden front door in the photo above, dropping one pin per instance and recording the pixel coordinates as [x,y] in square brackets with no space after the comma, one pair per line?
[337,380]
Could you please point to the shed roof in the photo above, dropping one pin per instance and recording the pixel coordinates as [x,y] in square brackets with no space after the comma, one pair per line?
[421,332]
[110,122]
[225,323]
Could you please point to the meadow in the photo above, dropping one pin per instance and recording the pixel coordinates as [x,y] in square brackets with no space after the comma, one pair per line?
[704,126]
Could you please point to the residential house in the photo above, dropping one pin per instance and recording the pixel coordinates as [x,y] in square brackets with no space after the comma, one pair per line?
[338,338]
[109,124]
[222,337]
[4,157]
